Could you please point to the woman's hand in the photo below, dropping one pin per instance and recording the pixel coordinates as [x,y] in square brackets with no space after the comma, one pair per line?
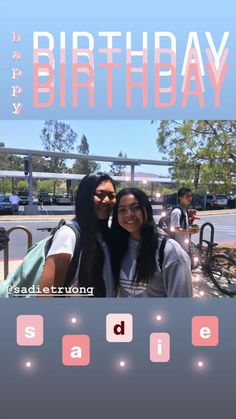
[194,229]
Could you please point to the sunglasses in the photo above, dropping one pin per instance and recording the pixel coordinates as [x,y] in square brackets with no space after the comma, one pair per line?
[102,195]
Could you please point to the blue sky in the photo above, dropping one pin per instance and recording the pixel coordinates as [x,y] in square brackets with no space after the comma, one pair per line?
[179,17]
[123,9]
[135,138]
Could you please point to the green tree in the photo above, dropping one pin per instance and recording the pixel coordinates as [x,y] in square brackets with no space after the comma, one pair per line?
[84,166]
[5,186]
[201,148]
[57,136]
[22,185]
[41,164]
[118,169]
[11,162]
[45,185]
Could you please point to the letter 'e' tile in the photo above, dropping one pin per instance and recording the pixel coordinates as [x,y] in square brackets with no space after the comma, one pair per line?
[205,331]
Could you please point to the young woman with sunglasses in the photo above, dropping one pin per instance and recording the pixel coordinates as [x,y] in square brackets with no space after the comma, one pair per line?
[94,202]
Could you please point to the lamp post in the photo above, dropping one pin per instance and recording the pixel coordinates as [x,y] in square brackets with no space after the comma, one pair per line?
[2,144]
[30,208]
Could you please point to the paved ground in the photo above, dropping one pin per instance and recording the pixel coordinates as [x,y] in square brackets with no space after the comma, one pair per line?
[202,287]
[225,229]
[225,232]
[224,223]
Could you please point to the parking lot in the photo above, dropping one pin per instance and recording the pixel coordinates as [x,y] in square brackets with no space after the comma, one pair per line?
[224,222]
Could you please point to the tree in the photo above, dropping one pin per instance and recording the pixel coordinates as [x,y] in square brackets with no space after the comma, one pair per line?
[45,185]
[57,136]
[201,150]
[11,162]
[84,166]
[118,169]
[40,164]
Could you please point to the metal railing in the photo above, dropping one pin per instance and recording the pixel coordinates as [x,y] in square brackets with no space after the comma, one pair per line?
[6,250]
[212,233]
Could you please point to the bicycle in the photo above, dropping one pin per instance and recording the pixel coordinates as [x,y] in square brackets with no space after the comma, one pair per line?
[219,267]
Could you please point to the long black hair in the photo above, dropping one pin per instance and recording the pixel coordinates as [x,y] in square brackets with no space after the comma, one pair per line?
[92,256]
[146,259]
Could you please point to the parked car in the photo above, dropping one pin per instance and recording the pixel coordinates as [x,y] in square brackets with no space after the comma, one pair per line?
[63,200]
[6,206]
[216,201]
[170,201]
[45,197]
[199,202]
[231,201]
[24,198]
[55,199]
[156,199]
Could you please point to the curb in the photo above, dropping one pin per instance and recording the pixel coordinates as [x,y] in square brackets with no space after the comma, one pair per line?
[43,217]
[67,216]
[219,212]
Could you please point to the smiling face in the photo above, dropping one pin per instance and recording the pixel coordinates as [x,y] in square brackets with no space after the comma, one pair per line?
[130,216]
[104,200]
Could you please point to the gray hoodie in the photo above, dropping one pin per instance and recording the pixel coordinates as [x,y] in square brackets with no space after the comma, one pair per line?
[174,280]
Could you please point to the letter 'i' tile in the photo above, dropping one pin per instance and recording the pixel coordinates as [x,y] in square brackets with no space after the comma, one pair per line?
[119,327]
[29,330]
[205,331]
[76,350]
[160,347]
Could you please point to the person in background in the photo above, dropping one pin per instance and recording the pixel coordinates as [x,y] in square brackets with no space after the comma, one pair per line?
[14,200]
[40,202]
[179,223]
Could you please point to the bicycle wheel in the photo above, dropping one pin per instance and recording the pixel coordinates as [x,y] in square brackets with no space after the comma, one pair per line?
[223,274]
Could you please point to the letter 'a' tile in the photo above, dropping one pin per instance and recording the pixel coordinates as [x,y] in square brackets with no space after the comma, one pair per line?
[76,350]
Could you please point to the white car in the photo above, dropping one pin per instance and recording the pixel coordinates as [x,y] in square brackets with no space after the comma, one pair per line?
[216,201]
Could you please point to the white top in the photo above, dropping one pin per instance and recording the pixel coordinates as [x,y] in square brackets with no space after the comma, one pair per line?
[14,199]
[64,241]
[182,238]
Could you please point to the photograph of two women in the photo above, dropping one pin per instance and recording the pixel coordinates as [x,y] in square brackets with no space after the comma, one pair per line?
[114,226]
